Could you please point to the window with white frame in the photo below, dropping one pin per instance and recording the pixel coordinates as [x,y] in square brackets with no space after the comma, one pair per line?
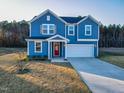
[88,30]
[38,46]
[48,29]
[48,18]
[71,30]
[44,29]
[51,29]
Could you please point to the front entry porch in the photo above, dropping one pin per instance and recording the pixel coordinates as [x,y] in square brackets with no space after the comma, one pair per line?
[56,50]
[57,47]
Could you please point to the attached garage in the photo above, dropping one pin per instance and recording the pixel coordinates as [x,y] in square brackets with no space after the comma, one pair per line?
[80,50]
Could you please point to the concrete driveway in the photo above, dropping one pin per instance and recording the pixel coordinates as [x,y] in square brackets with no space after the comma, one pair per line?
[101,77]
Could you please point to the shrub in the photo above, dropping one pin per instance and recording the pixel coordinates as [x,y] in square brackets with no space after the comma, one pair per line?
[37,57]
[21,64]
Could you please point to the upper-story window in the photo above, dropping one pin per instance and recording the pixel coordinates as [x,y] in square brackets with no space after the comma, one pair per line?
[88,30]
[71,30]
[48,29]
[48,18]
[44,29]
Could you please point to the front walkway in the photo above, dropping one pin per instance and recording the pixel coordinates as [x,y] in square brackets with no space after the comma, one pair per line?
[101,77]
[58,60]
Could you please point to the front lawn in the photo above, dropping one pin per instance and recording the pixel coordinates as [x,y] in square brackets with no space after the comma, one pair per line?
[113,58]
[42,78]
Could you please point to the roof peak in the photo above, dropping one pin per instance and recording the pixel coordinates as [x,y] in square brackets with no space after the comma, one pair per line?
[72,19]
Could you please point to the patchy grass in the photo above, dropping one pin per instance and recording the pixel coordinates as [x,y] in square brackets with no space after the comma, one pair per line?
[4,51]
[42,78]
[63,64]
[113,58]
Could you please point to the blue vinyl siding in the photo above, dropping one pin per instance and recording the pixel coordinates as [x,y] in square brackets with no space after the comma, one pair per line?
[81,29]
[36,25]
[32,49]
[72,38]
[45,49]
[81,32]
[60,30]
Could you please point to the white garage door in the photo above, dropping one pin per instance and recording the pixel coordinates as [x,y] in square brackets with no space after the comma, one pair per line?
[80,50]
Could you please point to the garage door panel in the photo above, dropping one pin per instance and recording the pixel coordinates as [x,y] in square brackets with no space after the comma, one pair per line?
[80,50]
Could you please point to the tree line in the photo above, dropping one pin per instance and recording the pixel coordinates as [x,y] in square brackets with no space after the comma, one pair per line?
[111,36]
[13,34]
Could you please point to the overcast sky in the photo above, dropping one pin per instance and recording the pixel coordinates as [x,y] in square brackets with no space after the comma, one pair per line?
[106,11]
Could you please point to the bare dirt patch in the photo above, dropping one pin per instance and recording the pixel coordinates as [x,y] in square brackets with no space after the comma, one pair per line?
[42,78]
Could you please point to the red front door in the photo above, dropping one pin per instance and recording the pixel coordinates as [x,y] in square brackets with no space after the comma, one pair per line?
[56,49]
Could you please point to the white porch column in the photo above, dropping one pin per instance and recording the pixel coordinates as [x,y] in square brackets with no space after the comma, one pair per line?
[97,49]
[65,49]
[48,50]
[28,48]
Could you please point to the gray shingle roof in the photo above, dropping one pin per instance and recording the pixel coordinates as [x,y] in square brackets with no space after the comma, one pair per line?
[72,19]
[37,37]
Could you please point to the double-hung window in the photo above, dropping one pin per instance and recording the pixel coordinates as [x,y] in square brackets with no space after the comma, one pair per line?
[48,29]
[38,46]
[88,30]
[71,30]
[51,29]
[44,29]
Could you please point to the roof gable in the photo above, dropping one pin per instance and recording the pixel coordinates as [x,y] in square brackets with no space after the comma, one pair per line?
[58,37]
[66,20]
[72,19]
[46,11]
[89,16]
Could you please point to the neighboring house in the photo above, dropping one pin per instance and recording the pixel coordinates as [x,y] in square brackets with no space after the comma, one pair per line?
[54,36]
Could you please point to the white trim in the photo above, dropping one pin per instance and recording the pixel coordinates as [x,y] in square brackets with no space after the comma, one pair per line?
[48,29]
[48,50]
[56,40]
[29,29]
[82,44]
[97,41]
[66,50]
[35,40]
[54,49]
[64,39]
[73,30]
[77,32]
[51,49]
[97,49]
[40,46]
[65,30]
[62,45]
[98,32]
[86,30]
[87,40]
[89,16]
[45,13]
[71,24]
[28,48]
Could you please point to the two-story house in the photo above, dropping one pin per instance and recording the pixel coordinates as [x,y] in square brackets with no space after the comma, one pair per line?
[54,36]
